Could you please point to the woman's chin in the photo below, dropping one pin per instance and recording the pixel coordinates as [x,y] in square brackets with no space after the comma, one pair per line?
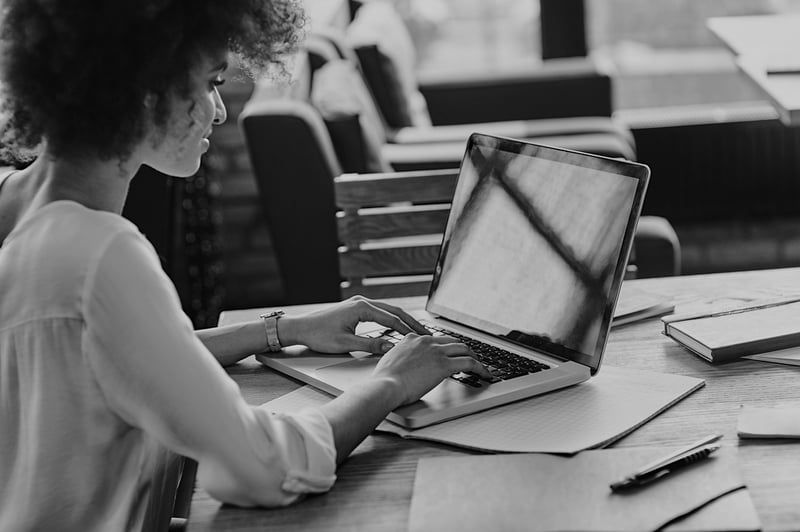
[185,167]
[179,171]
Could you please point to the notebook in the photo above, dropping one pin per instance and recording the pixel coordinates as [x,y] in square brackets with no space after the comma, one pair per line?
[730,334]
[544,492]
[529,272]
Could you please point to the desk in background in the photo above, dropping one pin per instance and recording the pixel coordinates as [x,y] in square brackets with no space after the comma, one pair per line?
[375,484]
[759,41]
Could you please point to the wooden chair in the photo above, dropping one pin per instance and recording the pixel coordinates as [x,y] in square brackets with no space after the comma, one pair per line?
[390,228]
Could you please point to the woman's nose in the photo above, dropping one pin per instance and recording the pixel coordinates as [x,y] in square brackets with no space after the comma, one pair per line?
[220,113]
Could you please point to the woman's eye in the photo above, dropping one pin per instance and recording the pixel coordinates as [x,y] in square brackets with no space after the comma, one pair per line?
[216,82]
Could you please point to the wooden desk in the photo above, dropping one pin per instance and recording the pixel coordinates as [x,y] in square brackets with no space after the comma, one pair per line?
[375,484]
[759,41]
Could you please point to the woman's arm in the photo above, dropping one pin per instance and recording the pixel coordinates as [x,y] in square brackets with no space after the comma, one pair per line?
[331,330]
[231,343]
[403,375]
[406,373]
[155,374]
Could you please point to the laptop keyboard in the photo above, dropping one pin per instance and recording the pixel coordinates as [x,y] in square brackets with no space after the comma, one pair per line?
[502,365]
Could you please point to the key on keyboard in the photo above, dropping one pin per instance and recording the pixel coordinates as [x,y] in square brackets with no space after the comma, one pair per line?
[502,364]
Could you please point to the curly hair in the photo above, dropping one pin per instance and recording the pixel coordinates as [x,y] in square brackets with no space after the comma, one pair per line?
[76,72]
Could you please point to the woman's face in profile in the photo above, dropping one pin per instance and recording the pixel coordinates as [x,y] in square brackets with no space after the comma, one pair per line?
[176,150]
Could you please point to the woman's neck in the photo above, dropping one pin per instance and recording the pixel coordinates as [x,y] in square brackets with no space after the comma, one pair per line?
[96,184]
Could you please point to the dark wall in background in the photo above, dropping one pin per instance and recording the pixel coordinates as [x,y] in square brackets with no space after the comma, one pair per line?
[151,206]
[177,215]
[731,189]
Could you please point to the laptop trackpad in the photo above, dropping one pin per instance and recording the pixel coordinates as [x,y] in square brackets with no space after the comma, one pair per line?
[347,374]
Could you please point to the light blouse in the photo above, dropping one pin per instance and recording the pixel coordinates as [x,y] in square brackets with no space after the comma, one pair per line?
[102,379]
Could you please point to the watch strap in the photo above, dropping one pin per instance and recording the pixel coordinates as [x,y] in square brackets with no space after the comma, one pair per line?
[271,329]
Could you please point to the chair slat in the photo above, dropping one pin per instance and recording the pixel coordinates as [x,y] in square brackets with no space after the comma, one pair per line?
[404,260]
[363,190]
[389,287]
[391,222]
[391,226]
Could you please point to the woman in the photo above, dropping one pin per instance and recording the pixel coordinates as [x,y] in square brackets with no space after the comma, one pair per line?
[102,378]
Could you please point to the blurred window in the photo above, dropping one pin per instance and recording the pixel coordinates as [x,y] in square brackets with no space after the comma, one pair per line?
[663,54]
[660,51]
[474,35]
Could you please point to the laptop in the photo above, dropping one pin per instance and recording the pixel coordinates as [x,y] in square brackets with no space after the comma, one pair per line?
[530,268]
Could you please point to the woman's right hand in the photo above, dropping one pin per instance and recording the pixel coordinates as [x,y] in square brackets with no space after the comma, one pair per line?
[418,363]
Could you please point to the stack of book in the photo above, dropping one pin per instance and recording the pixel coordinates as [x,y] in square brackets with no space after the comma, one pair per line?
[768,331]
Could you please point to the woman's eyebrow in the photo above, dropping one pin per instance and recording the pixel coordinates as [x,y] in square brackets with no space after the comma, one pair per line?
[221,66]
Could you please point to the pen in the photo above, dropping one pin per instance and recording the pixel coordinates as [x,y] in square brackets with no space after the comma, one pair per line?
[664,466]
[782,71]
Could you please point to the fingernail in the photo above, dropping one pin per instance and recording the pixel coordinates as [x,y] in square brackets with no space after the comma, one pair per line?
[385,346]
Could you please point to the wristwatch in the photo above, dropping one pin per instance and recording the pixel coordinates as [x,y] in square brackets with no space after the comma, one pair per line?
[271,328]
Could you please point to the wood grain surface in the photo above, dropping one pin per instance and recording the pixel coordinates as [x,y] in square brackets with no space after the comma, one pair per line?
[375,484]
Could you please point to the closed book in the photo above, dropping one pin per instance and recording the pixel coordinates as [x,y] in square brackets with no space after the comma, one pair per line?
[724,336]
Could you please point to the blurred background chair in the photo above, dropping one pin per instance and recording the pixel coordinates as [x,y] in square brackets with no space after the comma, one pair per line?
[298,184]
[380,38]
[566,104]
[302,136]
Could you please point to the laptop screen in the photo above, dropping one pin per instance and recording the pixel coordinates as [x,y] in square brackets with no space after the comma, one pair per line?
[536,245]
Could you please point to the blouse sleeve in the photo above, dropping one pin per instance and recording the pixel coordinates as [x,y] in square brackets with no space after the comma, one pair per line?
[156,375]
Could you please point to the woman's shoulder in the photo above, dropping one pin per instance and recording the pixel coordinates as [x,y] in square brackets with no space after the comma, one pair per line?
[57,251]
[97,230]
[5,171]
[76,222]
[72,234]
[102,220]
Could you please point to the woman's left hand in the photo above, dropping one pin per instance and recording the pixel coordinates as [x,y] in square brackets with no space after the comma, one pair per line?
[333,330]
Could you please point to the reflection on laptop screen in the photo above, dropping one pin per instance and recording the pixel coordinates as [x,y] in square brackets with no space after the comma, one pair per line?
[534,239]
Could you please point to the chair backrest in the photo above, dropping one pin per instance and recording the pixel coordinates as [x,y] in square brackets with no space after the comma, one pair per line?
[334,234]
[390,227]
[294,165]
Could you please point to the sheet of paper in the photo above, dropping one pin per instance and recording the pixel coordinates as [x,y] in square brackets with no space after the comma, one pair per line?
[590,414]
[584,416]
[632,300]
[545,492]
[769,422]
[789,356]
